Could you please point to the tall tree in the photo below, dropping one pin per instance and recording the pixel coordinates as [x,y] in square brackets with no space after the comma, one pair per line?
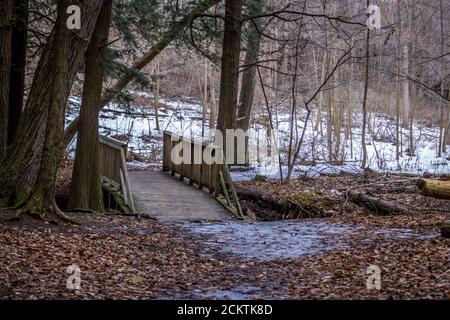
[85,190]
[177,27]
[364,106]
[405,72]
[398,149]
[442,105]
[249,73]
[230,67]
[42,197]
[5,62]
[28,172]
[18,62]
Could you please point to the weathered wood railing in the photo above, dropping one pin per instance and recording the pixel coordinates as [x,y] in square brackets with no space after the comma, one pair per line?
[114,173]
[214,177]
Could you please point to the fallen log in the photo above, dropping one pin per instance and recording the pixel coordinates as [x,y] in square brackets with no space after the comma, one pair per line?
[433,188]
[376,205]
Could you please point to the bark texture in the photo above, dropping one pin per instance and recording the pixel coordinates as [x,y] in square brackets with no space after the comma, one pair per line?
[42,199]
[5,61]
[248,76]
[85,191]
[18,62]
[20,168]
[230,67]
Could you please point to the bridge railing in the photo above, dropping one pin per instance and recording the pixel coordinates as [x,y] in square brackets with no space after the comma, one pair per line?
[215,177]
[114,172]
[197,171]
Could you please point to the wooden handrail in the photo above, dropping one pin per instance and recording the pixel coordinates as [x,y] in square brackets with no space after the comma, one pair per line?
[113,167]
[204,175]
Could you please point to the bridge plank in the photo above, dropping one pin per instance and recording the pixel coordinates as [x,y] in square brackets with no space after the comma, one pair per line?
[166,198]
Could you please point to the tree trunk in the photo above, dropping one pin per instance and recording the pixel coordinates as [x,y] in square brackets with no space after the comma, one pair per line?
[156,98]
[405,85]
[18,63]
[203,88]
[249,73]
[85,191]
[413,85]
[230,68]
[212,99]
[397,88]
[443,106]
[364,106]
[447,130]
[20,168]
[144,60]
[42,199]
[5,61]
[293,116]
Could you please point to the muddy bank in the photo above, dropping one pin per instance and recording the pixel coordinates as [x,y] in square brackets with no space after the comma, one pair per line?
[331,196]
[303,205]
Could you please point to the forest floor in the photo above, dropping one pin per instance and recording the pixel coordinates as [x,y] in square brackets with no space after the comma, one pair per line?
[126,258]
[123,258]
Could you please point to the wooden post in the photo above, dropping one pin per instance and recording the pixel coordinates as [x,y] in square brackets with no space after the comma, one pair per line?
[166,151]
[172,166]
[191,165]
[113,168]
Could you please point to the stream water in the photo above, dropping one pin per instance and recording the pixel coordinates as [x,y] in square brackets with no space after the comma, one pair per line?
[283,239]
[267,241]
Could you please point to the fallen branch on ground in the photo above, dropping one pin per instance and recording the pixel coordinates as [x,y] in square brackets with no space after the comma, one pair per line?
[377,205]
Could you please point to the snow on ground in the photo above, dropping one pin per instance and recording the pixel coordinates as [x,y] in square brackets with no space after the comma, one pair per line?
[184,117]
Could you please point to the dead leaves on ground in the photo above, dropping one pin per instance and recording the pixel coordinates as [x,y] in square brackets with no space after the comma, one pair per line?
[123,258]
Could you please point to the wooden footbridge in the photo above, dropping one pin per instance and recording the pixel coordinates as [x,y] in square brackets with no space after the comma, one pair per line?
[192,190]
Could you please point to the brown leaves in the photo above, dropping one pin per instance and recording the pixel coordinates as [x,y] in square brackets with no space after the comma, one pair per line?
[123,258]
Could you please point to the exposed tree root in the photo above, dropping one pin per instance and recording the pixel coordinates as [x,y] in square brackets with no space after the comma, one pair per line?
[49,213]
[81,210]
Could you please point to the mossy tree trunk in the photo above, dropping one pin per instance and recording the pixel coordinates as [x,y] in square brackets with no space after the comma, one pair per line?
[27,174]
[85,191]
[42,199]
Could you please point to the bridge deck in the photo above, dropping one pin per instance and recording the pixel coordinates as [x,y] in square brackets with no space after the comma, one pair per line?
[166,198]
